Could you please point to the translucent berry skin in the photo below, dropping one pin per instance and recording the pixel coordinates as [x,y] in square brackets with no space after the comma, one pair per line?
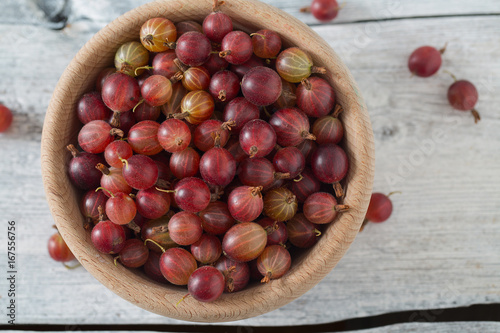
[140,172]
[157,230]
[306,186]
[206,284]
[205,133]
[147,112]
[289,160]
[462,95]
[174,135]
[207,249]
[379,209]
[185,228]
[177,265]
[217,25]
[224,86]
[315,97]
[108,237]
[163,64]
[198,106]
[58,250]
[103,75]
[234,147]
[329,163]
[90,203]
[156,32]
[143,138]
[291,126]
[121,208]
[156,90]
[319,208]
[91,107]
[134,254]
[120,92]
[116,150]
[257,171]
[114,182]
[294,64]
[185,163]
[325,10]
[287,98]
[274,262]
[216,218]
[126,120]
[261,86]
[328,129]
[152,268]
[196,78]
[280,204]
[238,46]
[257,138]
[192,194]
[245,203]
[241,111]
[301,232]
[236,274]
[217,167]
[174,104]
[151,203]
[266,43]
[95,136]
[193,48]
[215,63]
[276,231]
[187,26]
[242,69]
[130,56]
[82,171]
[244,241]
[425,61]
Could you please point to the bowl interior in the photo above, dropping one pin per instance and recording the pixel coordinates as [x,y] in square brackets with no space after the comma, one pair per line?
[61,128]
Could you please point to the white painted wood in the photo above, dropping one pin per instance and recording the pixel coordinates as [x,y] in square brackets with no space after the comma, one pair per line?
[440,248]
[483,327]
[353,10]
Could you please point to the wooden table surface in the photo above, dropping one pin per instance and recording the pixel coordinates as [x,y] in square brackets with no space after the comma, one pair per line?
[441,247]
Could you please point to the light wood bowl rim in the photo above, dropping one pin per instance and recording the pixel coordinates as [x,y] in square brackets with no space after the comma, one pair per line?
[308,270]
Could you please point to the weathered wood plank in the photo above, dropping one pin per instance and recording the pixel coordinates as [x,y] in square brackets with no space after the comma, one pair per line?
[483,327]
[53,13]
[355,10]
[440,248]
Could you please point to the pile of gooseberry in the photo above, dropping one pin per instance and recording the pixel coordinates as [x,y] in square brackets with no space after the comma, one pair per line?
[207,154]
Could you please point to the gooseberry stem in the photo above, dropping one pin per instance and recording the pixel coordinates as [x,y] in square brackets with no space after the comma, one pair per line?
[318,70]
[142,67]
[103,189]
[73,150]
[342,208]
[306,83]
[339,191]
[298,179]
[337,111]
[101,167]
[116,119]
[267,278]
[180,65]
[152,241]
[71,267]
[139,103]
[183,298]
[476,115]
[116,131]
[115,260]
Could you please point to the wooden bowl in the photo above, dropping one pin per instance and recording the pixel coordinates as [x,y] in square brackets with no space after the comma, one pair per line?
[61,128]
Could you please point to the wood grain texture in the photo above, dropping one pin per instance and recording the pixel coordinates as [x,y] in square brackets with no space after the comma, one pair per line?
[440,248]
[61,125]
